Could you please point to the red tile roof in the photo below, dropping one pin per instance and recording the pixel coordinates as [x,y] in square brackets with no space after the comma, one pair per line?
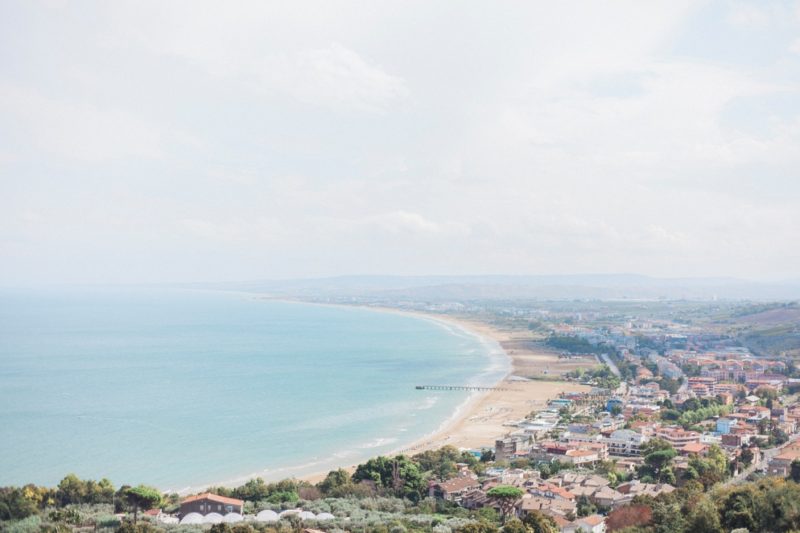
[214,498]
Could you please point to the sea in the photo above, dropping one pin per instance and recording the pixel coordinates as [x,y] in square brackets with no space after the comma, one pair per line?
[181,389]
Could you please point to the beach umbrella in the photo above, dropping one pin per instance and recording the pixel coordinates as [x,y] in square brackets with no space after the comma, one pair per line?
[212,518]
[230,518]
[192,518]
[267,516]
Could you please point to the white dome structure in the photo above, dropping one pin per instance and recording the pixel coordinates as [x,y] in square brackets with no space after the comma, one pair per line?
[192,518]
[212,518]
[231,518]
[307,515]
[325,516]
[289,512]
[267,516]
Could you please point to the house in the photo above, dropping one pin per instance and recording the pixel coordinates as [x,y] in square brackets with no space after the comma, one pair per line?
[607,497]
[636,488]
[624,442]
[693,448]
[677,436]
[590,524]
[550,506]
[781,464]
[210,503]
[724,425]
[453,489]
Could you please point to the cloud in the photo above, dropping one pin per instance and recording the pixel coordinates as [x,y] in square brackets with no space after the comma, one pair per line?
[315,138]
[334,77]
[749,15]
[407,222]
[80,131]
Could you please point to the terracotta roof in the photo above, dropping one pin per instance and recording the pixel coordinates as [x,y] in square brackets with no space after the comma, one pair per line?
[458,483]
[214,498]
[592,520]
[694,447]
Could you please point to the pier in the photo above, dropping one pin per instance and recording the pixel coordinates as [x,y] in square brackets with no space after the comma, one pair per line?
[460,387]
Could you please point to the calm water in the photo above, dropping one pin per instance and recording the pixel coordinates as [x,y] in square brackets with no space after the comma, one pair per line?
[184,388]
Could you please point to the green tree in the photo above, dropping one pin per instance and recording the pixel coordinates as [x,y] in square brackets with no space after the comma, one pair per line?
[334,480]
[142,497]
[794,471]
[506,497]
[515,525]
[540,523]
[658,455]
[703,518]
[397,475]
[584,507]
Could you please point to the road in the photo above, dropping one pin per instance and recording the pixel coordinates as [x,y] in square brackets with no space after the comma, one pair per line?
[766,457]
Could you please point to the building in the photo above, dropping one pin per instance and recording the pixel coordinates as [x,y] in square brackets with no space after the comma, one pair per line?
[453,490]
[724,425]
[506,449]
[677,436]
[625,443]
[210,503]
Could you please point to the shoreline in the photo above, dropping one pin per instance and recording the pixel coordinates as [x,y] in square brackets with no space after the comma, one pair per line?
[484,415]
[474,423]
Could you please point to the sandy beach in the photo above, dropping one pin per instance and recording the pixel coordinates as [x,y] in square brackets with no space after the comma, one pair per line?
[486,416]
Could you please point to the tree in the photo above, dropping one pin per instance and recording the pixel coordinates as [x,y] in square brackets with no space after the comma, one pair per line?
[515,525]
[794,472]
[658,455]
[703,518]
[398,475]
[747,455]
[142,497]
[585,507]
[540,523]
[506,498]
[487,456]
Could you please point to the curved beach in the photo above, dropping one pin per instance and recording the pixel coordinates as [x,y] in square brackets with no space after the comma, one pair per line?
[486,416]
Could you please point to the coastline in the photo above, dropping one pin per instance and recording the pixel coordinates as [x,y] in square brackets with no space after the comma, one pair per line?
[476,422]
[485,416]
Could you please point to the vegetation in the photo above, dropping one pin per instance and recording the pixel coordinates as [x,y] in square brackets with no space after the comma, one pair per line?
[506,498]
[764,506]
[576,345]
[602,376]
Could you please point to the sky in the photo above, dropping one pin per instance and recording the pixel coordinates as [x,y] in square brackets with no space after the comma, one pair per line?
[217,141]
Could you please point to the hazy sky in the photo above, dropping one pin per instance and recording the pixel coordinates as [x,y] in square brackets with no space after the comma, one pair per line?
[186,141]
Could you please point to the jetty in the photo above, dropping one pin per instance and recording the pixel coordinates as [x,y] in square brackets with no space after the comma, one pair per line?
[460,387]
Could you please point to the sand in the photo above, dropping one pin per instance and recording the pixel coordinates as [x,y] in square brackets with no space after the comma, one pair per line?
[488,416]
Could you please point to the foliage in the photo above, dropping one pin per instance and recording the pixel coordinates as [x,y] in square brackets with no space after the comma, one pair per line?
[506,498]
[142,497]
[658,455]
[398,476]
[540,523]
[441,463]
[576,345]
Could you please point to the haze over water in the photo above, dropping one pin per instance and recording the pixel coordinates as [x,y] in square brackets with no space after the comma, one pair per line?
[181,388]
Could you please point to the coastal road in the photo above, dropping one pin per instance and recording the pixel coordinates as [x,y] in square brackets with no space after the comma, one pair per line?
[623,387]
[607,360]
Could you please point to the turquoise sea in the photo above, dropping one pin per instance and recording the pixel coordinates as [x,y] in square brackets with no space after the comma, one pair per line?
[182,388]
